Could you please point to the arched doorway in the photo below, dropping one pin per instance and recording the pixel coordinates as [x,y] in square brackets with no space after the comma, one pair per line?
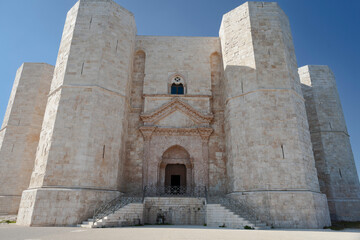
[175,170]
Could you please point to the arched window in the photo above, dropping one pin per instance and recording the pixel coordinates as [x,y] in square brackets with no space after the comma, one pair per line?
[177,85]
[177,88]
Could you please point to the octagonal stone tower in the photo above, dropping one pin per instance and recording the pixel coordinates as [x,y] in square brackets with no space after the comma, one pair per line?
[77,162]
[20,131]
[270,160]
[334,159]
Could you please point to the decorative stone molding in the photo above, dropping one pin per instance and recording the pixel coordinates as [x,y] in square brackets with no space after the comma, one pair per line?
[176,132]
[172,106]
[147,131]
[177,78]
[205,133]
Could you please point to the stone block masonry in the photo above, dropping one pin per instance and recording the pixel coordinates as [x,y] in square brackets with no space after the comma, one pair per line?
[331,144]
[226,115]
[174,210]
[20,132]
[85,119]
[265,119]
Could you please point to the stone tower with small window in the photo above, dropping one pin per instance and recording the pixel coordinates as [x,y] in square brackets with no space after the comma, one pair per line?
[121,113]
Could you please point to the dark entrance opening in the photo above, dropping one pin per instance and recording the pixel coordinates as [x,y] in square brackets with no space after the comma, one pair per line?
[175,180]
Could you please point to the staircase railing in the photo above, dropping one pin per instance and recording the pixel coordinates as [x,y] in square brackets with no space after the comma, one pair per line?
[239,206]
[175,191]
[115,204]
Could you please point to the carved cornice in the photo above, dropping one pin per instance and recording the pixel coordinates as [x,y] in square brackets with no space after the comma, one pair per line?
[149,131]
[172,106]
[176,131]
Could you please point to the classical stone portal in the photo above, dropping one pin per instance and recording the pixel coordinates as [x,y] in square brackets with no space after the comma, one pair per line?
[175,169]
[231,115]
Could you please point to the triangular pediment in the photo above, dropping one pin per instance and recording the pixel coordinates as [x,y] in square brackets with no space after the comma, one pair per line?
[176,113]
[176,119]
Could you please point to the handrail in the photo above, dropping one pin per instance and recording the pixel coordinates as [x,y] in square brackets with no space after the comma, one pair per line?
[174,191]
[113,205]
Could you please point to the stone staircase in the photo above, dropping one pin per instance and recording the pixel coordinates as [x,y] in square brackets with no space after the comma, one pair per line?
[219,216]
[128,215]
[217,212]
[232,213]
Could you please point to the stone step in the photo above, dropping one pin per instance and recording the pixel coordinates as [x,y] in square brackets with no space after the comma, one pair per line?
[85,226]
[230,225]
[124,214]
[127,215]
[228,220]
[219,215]
[216,215]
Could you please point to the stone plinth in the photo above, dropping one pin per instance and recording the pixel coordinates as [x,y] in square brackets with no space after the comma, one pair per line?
[60,206]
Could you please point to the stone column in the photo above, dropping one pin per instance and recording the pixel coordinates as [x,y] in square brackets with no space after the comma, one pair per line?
[20,131]
[146,132]
[205,135]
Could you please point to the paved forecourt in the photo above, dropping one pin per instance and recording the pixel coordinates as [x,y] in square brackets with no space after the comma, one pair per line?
[14,232]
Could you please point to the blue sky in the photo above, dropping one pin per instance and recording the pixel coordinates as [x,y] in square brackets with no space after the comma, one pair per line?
[325,32]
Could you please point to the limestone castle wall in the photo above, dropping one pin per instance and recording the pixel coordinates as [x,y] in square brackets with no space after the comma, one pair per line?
[198,61]
[334,160]
[85,123]
[270,161]
[186,56]
[20,131]
[111,126]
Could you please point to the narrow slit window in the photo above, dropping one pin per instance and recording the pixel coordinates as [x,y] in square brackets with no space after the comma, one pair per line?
[103,151]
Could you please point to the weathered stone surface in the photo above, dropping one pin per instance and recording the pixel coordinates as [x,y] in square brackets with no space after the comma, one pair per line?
[20,131]
[226,113]
[265,118]
[335,164]
[85,121]
[60,206]
[174,210]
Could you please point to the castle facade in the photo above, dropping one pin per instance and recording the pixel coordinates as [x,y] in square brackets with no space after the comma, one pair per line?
[233,114]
